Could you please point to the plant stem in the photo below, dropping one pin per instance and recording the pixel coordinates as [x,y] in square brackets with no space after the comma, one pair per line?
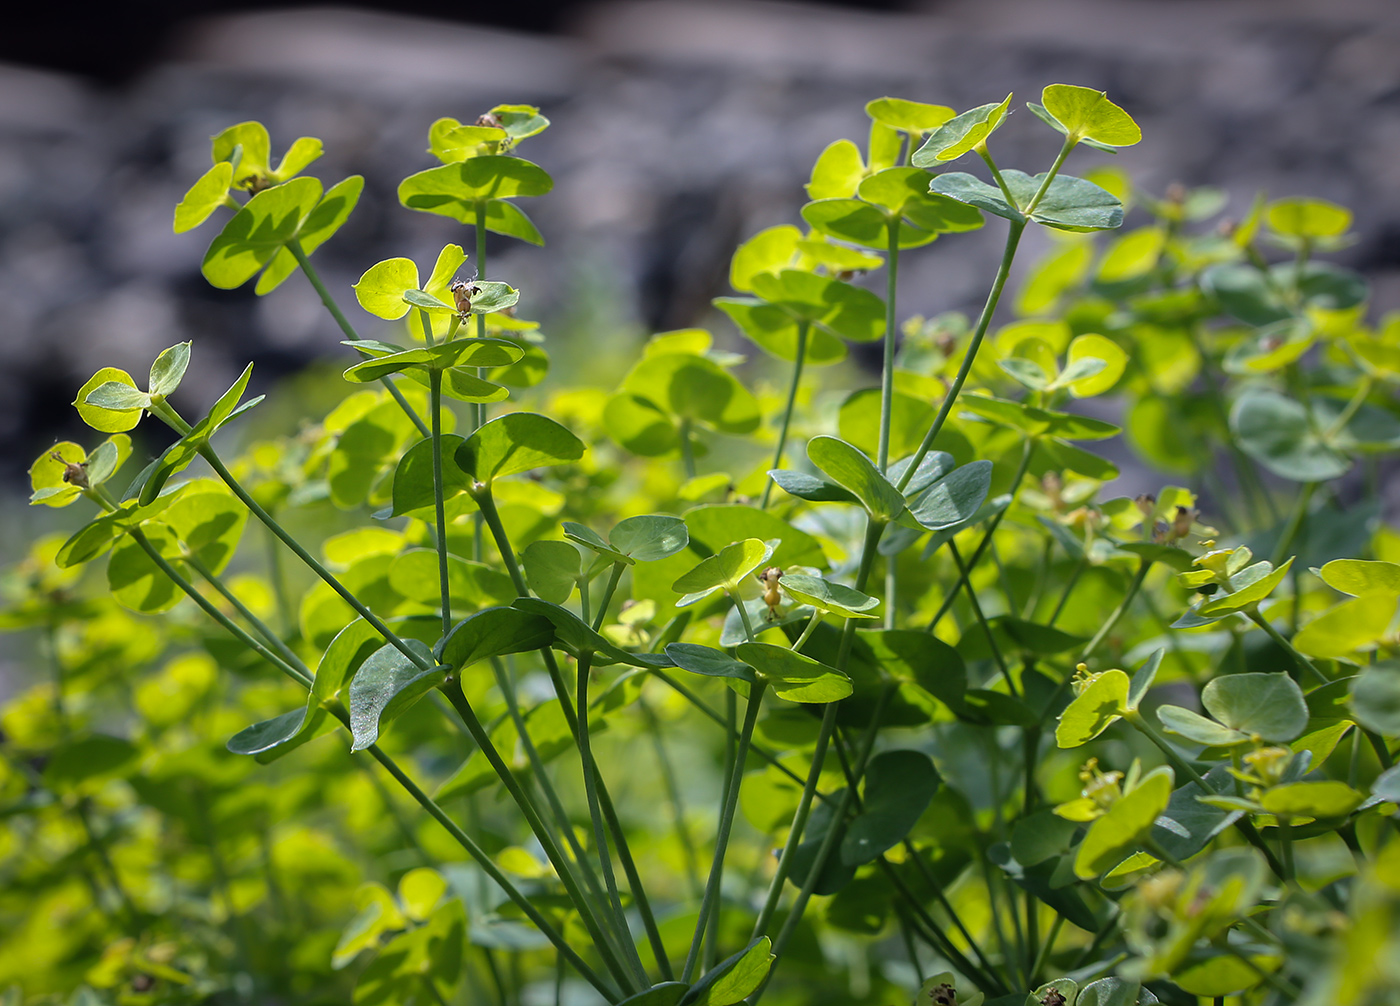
[494,872]
[964,573]
[479,409]
[1118,612]
[673,794]
[374,620]
[584,904]
[1079,569]
[687,455]
[710,903]
[887,368]
[486,503]
[602,614]
[809,628]
[1304,664]
[600,838]
[435,405]
[1013,239]
[1295,523]
[1065,148]
[306,267]
[829,839]
[798,360]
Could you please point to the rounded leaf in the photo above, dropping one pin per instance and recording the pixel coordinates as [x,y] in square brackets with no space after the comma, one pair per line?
[1088,114]
[1270,705]
[100,417]
[1094,710]
[1092,346]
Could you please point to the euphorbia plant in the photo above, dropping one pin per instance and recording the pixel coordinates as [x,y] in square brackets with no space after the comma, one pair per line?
[868,656]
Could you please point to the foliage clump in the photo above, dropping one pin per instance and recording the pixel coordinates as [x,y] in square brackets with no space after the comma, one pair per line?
[971,730]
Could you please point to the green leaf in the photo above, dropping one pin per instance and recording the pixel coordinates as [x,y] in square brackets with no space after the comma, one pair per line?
[551,569]
[960,134]
[415,575]
[722,570]
[1359,576]
[649,537]
[1069,204]
[209,520]
[954,498]
[350,648]
[710,662]
[1113,992]
[665,994]
[380,289]
[811,487]
[1196,728]
[837,172]
[1276,432]
[1088,114]
[1270,705]
[848,219]
[514,443]
[898,788]
[1093,710]
[693,387]
[1251,594]
[259,231]
[574,634]
[506,218]
[413,476]
[733,978]
[1356,623]
[117,396]
[494,632]
[1112,837]
[458,353]
[910,116]
[1092,346]
[1067,988]
[589,539]
[904,192]
[1326,798]
[774,330]
[835,598]
[387,684]
[1375,698]
[254,158]
[1302,217]
[850,468]
[453,190]
[794,676]
[204,197]
[769,251]
[320,224]
[303,151]
[640,426]
[843,310]
[169,368]
[713,526]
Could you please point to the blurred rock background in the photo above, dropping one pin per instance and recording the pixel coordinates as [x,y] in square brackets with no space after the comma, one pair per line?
[680,127]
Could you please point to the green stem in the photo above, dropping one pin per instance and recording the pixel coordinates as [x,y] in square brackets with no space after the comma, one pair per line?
[302,260]
[1119,611]
[1345,416]
[595,813]
[710,902]
[277,574]
[1303,662]
[479,410]
[809,628]
[986,156]
[422,798]
[1013,238]
[1065,148]
[828,840]
[261,628]
[964,573]
[687,455]
[705,708]
[934,934]
[1244,824]
[799,822]
[298,675]
[1295,523]
[887,368]
[585,905]
[494,872]
[1046,949]
[487,505]
[797,363]
[743,614]
[374,620]
[435,404]
[602,614]
[673,794]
